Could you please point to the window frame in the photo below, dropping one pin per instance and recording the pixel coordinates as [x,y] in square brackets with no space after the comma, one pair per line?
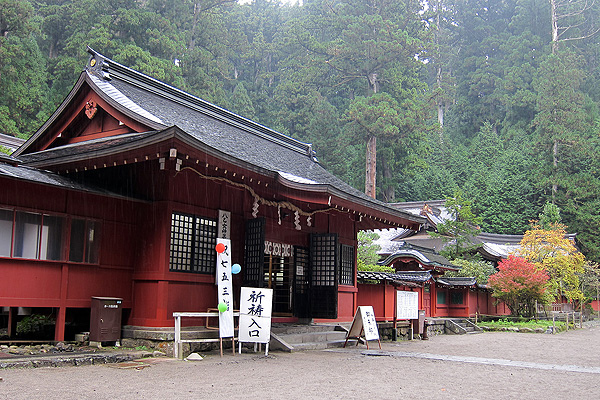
[347,265]
[455,296]
[50,238]
[86,241]
[441,295]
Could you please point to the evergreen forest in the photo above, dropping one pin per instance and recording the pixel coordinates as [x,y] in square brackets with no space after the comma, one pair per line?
[497,98]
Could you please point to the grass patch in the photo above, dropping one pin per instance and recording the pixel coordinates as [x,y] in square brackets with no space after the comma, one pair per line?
[531,324]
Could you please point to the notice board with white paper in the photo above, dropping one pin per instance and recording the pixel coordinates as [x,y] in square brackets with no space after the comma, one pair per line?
[407,305]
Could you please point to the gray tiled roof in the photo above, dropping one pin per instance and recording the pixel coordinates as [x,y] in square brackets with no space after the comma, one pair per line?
[408,278]
[425,256]
[5,158]
[457,281]
[83,149]
[38,176]
[10,142]
[233,137]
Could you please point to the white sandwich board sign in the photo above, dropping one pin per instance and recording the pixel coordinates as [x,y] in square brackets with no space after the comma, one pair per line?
[364,322]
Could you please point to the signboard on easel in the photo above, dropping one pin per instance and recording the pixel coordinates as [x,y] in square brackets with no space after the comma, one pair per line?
[364,323]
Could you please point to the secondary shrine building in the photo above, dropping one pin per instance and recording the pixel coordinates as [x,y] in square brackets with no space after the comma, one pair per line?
[125,189]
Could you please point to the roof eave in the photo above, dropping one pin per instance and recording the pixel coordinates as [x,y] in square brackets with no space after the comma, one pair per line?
[54,116]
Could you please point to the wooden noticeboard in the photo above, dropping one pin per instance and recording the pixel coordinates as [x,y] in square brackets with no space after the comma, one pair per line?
[364,322]
[407,305]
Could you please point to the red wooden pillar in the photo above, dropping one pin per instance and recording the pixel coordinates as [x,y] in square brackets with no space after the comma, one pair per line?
[59,327]
[162,299]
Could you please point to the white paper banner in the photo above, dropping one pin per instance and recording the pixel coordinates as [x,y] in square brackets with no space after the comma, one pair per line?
[225,289]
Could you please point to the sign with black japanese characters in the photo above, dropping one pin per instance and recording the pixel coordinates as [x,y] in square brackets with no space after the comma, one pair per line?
[256,305]
[407,305]
[278,249]
[224,225]
[364,320]
[225,288]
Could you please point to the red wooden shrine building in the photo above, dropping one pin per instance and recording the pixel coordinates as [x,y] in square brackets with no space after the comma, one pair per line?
[125,189]
[439,296]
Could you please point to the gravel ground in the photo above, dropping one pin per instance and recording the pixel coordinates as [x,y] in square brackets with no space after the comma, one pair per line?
[499,365]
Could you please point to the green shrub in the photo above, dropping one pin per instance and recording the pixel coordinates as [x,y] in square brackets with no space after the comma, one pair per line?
[34,324]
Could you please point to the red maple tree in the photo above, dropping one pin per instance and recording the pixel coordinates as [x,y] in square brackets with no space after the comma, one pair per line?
[519,283]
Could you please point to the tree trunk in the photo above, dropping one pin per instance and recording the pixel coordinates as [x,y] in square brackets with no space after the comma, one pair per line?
[554,16]
[192,43]
[371,156]
[370,168]
[555,168]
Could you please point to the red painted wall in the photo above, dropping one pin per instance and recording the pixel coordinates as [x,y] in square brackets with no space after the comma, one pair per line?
[382,298]
[62,284]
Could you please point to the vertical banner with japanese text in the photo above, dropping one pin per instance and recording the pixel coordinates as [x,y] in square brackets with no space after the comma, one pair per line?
[256,305]
[225,289]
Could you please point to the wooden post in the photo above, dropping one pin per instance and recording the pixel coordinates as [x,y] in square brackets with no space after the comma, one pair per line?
[177,344]
[395,331]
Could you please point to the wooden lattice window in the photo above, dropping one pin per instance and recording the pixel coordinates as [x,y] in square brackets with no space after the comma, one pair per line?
[193,241]
[254,252]
[347,265]
[324,260]
[324,266]
[456,298]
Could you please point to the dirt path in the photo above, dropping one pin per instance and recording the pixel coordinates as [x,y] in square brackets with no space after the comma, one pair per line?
[498,365]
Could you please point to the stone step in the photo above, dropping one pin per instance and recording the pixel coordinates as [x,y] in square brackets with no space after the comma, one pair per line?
[323,345]
[302,328]
[310,337]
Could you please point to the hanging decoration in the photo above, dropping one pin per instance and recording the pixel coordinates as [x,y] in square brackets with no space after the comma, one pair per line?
[273,203]
[297,221]
[255,208]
